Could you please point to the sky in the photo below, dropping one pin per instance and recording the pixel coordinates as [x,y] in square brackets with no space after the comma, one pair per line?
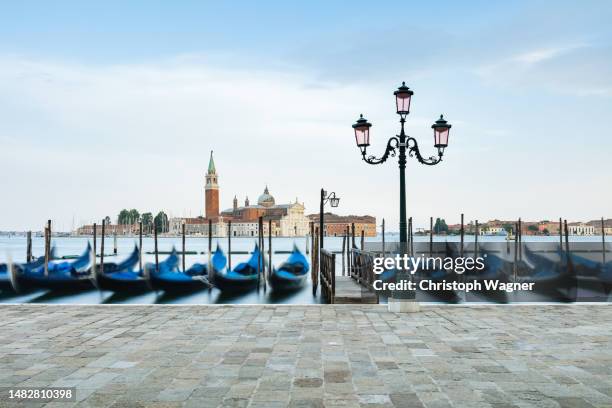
[115,104]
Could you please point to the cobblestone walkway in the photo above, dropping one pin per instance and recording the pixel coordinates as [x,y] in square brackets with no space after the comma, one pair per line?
[312,356]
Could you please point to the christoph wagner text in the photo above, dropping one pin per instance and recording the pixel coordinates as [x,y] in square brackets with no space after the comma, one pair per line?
[453,285]
[413,263]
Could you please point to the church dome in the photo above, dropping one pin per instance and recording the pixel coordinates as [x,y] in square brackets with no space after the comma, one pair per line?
[265,200]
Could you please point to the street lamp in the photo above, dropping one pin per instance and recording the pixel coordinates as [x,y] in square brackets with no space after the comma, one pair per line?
[402,143]
[333,201]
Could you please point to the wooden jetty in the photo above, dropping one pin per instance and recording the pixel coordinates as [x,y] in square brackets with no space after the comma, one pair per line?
[354,288]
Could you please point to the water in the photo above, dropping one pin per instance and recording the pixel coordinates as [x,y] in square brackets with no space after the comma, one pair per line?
[14,249]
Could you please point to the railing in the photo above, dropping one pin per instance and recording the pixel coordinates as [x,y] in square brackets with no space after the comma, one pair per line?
[362,268]
[328,275]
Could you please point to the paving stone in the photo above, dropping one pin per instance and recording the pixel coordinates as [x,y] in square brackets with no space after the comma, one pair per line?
[312,356]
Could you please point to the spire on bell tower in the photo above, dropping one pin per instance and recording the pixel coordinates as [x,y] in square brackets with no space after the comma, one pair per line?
[211,189]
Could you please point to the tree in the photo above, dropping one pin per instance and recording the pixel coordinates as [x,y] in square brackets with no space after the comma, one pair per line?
[147,222]
[508,228]
[134,216]
[161,222]
[532,228]
[123,217]
[107,220]
[545,231]
[440,226]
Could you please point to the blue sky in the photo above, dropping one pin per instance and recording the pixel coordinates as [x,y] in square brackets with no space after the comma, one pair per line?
[117,104]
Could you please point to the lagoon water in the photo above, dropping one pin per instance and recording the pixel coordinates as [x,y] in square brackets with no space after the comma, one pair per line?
[14,249]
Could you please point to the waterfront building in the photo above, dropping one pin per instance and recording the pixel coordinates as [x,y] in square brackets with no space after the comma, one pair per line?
[596,224]
[336,225]
[109,229]
[580,228]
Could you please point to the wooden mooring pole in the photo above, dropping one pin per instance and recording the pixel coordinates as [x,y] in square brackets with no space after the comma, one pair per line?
[430,236]
[476,240]
[229,245]
[410,237]
[183,233]
[520,248]
[259,233]
[343,250]
[29,247]
[47,251]
[269,249]
[461,232]
[209,242]
[95,246]
[140,246]
[155,248]
[603,241]
[102,246]
[353,235]
[560,233]
[115,241]
[566,241]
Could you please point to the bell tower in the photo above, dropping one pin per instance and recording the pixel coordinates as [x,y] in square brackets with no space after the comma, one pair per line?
[211,191]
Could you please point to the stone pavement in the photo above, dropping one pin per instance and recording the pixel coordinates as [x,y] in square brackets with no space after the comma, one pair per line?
[312,356]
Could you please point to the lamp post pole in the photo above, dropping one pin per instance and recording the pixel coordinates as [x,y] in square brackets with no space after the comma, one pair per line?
[333,201]
[404,146]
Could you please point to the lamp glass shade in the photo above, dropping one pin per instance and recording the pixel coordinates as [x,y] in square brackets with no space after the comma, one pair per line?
[403,95]
[362,132]
[441,137]
[334,202]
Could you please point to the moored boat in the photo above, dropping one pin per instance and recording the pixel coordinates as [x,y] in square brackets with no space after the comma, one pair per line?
[292,274]
[243,278]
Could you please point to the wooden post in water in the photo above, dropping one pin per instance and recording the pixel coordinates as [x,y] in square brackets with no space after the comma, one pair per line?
[315,262]
[259,233]
[229,245]
[343,249]
[430,236]
[520,248]
[353,235]
[603,241]
[269,247]
[115,241]
[461,232]
[29,247]
[156,251]
[46,251]
[140,246]
[410,237]
[102,246]
[383,238]
[362,239]
[566,238]
[560,233]
[183,232]
[476,232]
[209,244]
[515,250]
[95,246]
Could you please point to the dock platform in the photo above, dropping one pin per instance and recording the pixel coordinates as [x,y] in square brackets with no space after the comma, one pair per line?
[349,291]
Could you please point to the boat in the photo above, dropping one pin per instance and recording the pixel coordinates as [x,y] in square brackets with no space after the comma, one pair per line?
[61,276]
[173,280]
[292,274]
[130,280]
[5,275]
[242,278]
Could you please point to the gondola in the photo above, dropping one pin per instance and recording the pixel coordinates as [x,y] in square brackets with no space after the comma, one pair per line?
[292,274]
[243,278]
[129,280]
[61,276]
[5,276]
[172,280]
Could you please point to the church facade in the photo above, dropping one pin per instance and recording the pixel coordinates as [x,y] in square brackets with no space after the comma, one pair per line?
[287,220]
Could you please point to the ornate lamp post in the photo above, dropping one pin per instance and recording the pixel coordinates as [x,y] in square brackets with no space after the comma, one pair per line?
[333,201]
[402,300]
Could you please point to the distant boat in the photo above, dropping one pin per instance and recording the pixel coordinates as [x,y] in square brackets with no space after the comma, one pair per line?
[61,276]
[292,274]
[242,278]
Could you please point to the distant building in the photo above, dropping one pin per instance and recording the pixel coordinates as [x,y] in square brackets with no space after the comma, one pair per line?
[580,228]
[596,224]
[109,229]
[336,225]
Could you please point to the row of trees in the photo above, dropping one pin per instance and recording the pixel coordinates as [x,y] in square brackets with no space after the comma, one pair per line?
[130,217]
